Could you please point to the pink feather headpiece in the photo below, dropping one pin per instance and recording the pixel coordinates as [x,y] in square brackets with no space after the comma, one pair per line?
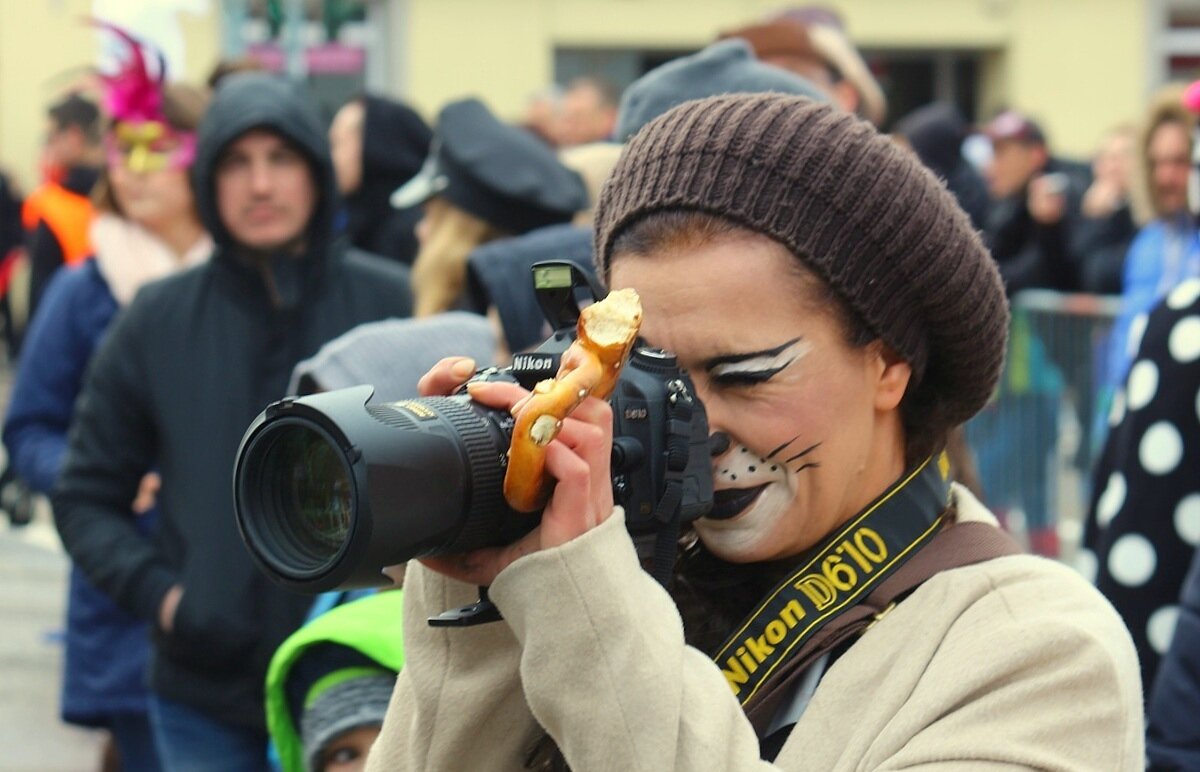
[1191,97]
[132,93]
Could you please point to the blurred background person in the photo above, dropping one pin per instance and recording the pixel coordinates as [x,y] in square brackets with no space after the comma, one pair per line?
[587,112]
[173,386]
[936,133]
[1105,228]
[1173,700]
[57,214]
[1035,199]
[146,228]
[1143,523]
[542,113]
[1032,200]
[484,179]
[377,145]
[811,42]
[1165,251]
[12,238]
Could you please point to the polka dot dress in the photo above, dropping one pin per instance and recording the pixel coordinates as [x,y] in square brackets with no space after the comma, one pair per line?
[1144,522]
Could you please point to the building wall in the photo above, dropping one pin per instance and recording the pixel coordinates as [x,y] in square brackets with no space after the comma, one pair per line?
[1080,66]
[46,48]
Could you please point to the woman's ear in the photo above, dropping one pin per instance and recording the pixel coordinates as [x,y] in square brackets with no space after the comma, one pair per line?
[894,374]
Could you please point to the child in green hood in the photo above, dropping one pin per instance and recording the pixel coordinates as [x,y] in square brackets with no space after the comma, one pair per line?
[329,684]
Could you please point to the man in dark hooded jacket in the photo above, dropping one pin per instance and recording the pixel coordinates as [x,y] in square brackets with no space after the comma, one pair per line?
[180,376]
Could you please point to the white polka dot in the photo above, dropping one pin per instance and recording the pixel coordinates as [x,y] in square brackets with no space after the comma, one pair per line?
[1137,328]
[1184,295]
[1161,448]
[1116,413]
[1184,342]
[1087,565]
[1132,560]
[1143,384]
[1111,501]
[1187,519]
[1160,629]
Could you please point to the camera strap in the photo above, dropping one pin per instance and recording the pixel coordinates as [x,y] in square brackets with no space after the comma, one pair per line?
[834,577]
[666,511]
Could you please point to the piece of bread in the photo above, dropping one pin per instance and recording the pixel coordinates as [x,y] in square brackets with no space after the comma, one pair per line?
[591,366]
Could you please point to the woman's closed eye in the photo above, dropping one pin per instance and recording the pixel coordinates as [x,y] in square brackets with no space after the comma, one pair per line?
[747,377]
[756,366]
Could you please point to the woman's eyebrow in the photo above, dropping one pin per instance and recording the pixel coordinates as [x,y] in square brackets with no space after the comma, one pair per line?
[725,359]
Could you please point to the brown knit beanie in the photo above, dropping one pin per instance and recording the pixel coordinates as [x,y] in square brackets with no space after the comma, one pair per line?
[860,212]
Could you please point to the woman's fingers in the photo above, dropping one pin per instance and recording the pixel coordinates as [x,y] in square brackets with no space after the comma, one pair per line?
[498,394]
[579,460]
[446,376]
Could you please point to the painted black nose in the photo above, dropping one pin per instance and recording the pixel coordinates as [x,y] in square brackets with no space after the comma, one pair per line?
[718,443]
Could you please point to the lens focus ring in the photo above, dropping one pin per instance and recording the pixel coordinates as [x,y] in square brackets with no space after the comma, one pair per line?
[485,473]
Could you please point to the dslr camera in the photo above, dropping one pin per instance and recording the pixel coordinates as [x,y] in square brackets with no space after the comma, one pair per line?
[330,488]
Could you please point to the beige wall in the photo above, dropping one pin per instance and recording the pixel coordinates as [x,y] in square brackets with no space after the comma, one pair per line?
[45,49]
[1078,65]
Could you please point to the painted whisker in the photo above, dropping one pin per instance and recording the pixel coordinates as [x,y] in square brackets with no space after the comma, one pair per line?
[779,450]
[804,452]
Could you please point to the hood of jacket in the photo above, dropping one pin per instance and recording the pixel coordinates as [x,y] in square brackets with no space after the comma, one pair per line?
[936,133]
[265,101]
[395,143]
[363,632]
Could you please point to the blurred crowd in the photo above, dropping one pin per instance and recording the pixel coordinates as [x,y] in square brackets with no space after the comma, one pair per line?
[194,252]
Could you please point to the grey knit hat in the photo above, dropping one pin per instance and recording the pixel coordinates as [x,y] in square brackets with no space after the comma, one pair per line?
[862,213]
[393,354]
[353,703]
[725,67]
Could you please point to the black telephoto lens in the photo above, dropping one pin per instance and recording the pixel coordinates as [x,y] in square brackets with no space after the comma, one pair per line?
[329,489]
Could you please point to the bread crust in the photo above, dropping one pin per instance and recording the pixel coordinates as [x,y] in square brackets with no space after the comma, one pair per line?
[591,366]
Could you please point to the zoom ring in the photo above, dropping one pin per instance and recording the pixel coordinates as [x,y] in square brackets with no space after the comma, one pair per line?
[485,472]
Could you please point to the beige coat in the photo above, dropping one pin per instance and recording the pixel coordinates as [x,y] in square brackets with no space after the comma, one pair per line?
[1015,663]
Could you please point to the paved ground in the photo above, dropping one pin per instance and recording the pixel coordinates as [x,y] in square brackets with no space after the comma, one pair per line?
[33,586]
[33,576]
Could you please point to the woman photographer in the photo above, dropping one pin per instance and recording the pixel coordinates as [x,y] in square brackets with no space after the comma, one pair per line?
[838,316]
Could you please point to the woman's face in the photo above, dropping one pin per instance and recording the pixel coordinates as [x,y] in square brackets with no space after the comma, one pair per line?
[152,199]
[813,423]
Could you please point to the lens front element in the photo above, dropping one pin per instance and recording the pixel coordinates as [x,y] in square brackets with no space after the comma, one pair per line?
[306,484]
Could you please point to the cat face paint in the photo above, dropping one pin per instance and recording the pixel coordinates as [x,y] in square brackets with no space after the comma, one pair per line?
[806,448]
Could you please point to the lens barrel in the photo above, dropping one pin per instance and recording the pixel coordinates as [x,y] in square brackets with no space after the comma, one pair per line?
[329,489]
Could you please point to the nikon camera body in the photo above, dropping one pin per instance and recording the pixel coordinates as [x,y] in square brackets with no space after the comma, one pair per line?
[331,488]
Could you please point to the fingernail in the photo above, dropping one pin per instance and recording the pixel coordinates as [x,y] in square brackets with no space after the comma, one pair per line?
[463,368]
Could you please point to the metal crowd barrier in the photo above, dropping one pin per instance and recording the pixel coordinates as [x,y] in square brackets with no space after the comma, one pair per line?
[1036,443]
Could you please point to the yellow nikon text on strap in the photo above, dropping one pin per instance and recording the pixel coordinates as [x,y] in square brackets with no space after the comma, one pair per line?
[835,575]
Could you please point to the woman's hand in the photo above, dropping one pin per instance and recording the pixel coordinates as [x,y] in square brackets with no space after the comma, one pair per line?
[578,459]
